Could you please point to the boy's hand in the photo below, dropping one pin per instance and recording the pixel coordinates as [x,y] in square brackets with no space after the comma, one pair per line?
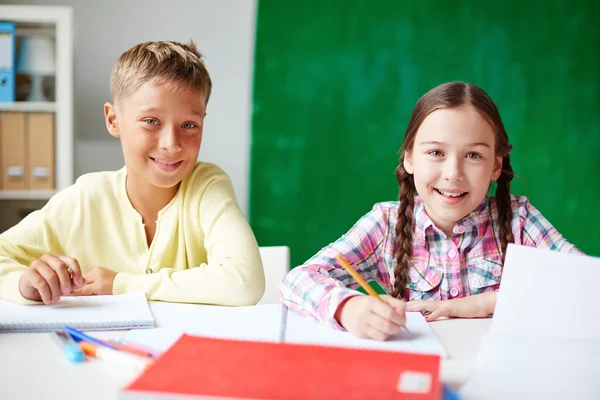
[476,306]
[50,277]
[367,317]
[99,281]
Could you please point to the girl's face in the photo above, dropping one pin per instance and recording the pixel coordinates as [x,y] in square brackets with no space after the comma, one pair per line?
[453,161]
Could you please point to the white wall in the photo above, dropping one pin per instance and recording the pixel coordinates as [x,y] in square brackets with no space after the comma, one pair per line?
[224,31]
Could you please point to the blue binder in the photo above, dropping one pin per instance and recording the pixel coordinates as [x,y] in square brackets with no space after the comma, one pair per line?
[7,61]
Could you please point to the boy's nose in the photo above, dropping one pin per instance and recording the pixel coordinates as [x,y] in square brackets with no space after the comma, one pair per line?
[169,139]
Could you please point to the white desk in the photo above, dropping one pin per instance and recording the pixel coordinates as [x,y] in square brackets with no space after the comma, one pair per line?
[33,367]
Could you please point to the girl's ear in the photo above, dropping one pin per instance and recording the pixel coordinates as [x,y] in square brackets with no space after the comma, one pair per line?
[497,169]
[407,162]
[110,117]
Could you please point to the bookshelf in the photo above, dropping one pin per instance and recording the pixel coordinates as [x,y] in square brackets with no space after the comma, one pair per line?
[29,106]
[55,21]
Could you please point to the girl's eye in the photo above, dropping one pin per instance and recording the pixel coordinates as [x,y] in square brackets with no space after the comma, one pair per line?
[473,156]
[151,121]
[189,125]
[435,153]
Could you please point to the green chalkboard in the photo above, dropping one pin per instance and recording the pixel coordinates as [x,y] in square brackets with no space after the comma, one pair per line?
[336,81]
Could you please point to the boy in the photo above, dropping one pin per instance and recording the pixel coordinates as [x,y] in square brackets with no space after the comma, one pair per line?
[164,223]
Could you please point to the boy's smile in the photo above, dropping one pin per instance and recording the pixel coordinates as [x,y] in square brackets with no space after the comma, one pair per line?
[166,165]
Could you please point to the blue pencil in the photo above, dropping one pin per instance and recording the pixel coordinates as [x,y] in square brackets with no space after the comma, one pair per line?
[80,336]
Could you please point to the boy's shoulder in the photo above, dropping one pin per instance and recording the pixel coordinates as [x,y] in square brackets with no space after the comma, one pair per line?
[205,173]
[90,187]
[94,182]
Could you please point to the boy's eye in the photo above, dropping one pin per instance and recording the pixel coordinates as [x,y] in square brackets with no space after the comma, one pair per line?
[189,125]
[151,121]
[435,153]
[473,156]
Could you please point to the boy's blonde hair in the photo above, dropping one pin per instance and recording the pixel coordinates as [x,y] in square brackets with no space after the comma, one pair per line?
[161,62]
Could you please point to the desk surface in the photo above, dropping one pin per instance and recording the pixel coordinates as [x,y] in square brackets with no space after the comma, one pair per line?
[32,366]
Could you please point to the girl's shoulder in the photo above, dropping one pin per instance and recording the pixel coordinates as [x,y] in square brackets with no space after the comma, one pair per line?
[386,206]
[520,205]
[381,213]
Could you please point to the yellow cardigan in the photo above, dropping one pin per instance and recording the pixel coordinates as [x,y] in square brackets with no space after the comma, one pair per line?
[203,250]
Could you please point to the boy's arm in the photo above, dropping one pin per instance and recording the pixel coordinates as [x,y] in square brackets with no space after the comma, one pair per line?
[41,232]
[233,275]
[321,285]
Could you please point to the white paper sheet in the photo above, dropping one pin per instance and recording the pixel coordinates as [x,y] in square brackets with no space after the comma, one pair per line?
[544,341]
[419,338]
[515,368]
[545,293]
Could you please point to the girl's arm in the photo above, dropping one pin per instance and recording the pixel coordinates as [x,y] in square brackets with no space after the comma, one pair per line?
[318,287]
[476,306]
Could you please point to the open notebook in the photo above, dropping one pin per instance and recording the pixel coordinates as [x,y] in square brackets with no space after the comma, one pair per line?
[88,313]
[417,338]
[275,323]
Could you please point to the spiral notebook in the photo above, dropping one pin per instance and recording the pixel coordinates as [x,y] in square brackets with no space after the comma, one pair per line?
[95,313]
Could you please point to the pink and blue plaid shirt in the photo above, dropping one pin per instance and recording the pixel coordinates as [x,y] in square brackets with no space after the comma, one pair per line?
[469,262]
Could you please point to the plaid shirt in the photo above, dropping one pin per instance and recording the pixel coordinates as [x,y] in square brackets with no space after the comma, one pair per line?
[470,262]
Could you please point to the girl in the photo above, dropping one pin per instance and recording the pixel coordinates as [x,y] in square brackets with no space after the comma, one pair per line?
[443,250]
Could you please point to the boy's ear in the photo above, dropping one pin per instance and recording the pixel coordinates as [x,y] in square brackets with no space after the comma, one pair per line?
[110,117]
[497,169]
[407,162]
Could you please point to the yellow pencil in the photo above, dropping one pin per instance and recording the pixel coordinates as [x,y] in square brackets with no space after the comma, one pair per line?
[357,277]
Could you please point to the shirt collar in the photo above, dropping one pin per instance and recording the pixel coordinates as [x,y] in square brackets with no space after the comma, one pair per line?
[476,217]
[473,219]
[422,220]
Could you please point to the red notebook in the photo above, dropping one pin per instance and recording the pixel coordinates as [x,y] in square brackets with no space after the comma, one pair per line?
[199,368]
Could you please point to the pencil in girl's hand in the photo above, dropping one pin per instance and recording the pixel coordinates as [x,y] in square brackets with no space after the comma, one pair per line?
[357,277]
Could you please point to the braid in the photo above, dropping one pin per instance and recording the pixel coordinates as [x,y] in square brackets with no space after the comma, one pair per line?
[404,230]
[503,202]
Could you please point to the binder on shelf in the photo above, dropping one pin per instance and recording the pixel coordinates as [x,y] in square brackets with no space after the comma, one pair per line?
[7,62]
[40,151]
[13,151]
[1,151]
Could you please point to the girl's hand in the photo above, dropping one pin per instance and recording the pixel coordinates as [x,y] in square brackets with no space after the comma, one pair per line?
[368,317]
[476,306]
[99,281]
[50,277]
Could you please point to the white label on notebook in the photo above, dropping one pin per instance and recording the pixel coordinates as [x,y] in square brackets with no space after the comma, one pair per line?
[40,172]
[414,382]
[15,171]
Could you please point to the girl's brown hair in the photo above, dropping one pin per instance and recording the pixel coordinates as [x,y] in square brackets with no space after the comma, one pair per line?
[448,95]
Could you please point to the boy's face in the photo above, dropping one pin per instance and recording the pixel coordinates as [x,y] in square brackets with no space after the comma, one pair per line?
[160,128]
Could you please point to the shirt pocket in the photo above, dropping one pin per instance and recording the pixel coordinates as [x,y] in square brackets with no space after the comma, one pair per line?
[424,282]
[484,274]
